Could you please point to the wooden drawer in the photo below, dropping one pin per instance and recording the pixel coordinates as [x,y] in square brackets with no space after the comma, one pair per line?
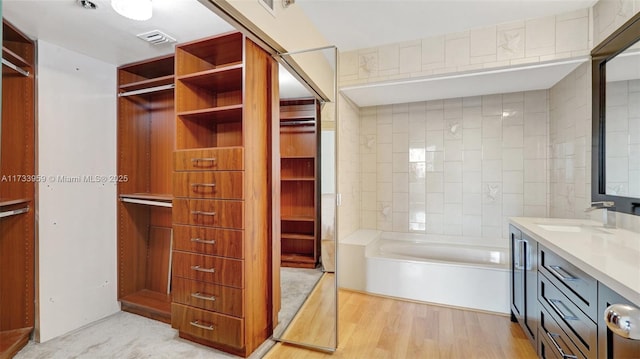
[578,327]
[209,269]
[211,326]
[212,213]
[207,296]
[210,184]
[220,159]
[580,287]
[207,240]
[553,342]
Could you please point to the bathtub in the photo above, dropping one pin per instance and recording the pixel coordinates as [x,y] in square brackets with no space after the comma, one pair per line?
[436,269]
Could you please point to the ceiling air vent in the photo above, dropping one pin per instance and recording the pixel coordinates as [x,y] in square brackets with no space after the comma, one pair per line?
[156,37]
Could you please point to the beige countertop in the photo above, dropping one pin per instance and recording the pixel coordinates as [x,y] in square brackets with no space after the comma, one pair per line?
[612,256]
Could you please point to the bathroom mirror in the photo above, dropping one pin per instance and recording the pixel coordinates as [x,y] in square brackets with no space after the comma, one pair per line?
[616,119]
[316,325]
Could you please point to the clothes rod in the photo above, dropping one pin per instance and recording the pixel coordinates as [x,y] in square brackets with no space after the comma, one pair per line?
[15,67]
[147,90]
[295,123]
[14,212]
[150,203]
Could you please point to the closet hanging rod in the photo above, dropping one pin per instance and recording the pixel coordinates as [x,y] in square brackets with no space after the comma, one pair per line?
[10,65]
[147,90]
[147,202]
[14,212]
[295,123]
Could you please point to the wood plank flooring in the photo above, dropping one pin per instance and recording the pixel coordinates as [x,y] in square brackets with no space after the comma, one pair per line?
[378,327]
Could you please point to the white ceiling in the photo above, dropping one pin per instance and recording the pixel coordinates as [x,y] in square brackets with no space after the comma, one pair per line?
[105,35]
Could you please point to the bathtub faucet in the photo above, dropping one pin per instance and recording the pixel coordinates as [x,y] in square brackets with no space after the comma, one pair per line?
[608,215]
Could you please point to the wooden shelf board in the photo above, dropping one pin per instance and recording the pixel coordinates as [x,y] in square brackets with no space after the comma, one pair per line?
[298,236]
[219,114]
[221,79]
[149,304]
[296,157]
[158,81]
[290,179]
[12,202]
[160,197]
[297,260]
[285,118]
[14,58]
[11,341]
[298,218]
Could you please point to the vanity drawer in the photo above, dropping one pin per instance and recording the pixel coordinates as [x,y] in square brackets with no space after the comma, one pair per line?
[553,343]
[210,184]
[218,159]
[209,269]
[578,327]
[211,326]
[207,240]
[226,300]
[580,287]
[212,213]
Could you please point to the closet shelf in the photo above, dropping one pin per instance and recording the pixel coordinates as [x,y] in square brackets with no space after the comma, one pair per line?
[297,157]
[150,83]
[297,218]
[11,202]
[298,179]
[150,304]
[150,199]
[231,113]
[11,341]
[297,258]
[14,58]
[298,236]
[221,79]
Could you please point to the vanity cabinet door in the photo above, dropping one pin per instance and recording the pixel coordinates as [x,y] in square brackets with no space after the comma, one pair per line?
[611,345]
[524,283]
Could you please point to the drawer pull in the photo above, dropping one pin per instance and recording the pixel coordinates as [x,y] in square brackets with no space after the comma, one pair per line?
[202,213]
[196,185]
[555,304]
[203,241]
[197,324]
[206,270]
[206,159]
[558,348]
[561,273]
[197,295]
[624,320]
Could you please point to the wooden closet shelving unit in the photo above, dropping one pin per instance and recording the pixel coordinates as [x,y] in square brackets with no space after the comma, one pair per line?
[17,190]
[222,269]
[299,149]
[146,131]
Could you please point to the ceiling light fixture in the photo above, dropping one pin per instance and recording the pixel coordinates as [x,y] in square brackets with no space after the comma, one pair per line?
[87,4]
[139,10]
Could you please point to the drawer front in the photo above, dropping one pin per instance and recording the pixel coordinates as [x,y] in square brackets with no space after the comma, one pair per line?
[553,343]
[207,240]
[578,326]
[207,296]
[212,159]
[210,269]
[212,213]
[582,288]
[211,326]
[212,184]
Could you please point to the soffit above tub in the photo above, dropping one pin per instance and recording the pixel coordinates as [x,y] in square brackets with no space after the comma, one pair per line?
[540,76]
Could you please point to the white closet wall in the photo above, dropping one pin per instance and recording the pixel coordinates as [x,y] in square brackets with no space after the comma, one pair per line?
[76,250]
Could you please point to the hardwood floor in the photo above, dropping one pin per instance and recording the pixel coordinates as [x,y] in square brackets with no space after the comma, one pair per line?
[378,327]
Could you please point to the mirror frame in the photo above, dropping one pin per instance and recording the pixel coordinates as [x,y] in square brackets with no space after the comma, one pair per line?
[627,35]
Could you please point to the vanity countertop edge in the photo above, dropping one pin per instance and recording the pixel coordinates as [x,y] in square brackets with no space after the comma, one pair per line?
[611,256]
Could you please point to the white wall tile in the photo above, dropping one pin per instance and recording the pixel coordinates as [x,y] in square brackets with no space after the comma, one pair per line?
[457,50]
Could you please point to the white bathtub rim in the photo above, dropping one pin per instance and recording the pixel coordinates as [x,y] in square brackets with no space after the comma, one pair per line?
[403,259]
[501,243]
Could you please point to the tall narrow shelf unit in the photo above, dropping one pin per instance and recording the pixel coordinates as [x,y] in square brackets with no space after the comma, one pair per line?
[146,131]
[222,260]
[299,149]
[17,189]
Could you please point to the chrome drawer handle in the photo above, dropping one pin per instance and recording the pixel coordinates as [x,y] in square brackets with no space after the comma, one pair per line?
[624,320]
[206,270]
[558,348]
[196,185]
[210,298]
[206,159]
[203,241]
[561,273]
[197,324]
[555,305]
[201,213]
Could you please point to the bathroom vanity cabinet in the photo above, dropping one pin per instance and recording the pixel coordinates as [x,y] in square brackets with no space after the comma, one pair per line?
[573,279]
[524,272]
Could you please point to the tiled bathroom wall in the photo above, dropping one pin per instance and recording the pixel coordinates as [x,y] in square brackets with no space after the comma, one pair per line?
[348,168]
[455,167]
